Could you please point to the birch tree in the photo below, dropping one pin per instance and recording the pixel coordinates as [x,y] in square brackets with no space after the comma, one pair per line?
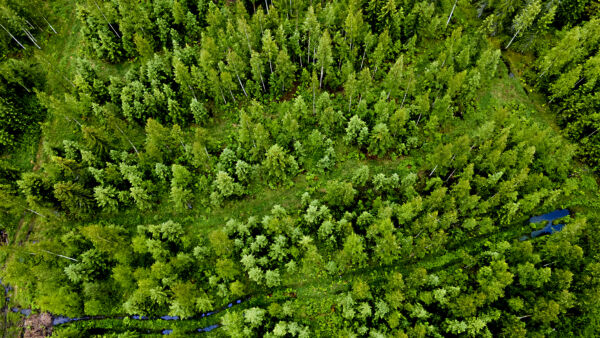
[525,18]
[269,47]
[324,55]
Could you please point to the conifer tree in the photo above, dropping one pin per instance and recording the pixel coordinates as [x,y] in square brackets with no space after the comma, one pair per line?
[278,165]
[324,55]
[525,18]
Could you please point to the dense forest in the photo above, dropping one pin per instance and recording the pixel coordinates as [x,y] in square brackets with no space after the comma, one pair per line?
[362,168]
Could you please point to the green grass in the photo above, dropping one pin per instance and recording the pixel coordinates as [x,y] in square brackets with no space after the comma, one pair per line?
[501,90]
[59,51]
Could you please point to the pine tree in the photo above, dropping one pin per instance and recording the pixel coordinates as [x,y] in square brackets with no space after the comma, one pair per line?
[339,194]
[351,89]
[278,165]
[356,131]
[257,66]
[324,55]
[311,28]
[237,65]
[381,51]
[141,196]
[183,78]
[525,18]
[74,198]
[106,197]
[199,112]
[394,77]
[380,140]
[285,70]
[353,25]
[269,48]
[143,46]
[181,193]
[353,254]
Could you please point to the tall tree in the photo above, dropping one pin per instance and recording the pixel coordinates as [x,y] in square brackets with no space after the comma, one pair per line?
[269,48]
[324,55]
[525,18]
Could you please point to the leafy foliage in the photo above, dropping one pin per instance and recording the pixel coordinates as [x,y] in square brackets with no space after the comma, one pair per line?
[323,169]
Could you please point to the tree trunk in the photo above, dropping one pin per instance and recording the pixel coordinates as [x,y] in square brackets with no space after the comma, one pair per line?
[32,26]
[111,26]
[592,133]
[451,12]
[350,105]
[363,58]
[193,92]
[263,83]
[308,51]
[49,25]
[248,41]
[27,89]
[35,212]
[128,140]
[321,79]
[79,124]
[314,97]
[12,36]
[241,85]
[450,176]
[31,38]
[544,72]
[431,173]
[62,74]
[511,40]
[404,98]
[222,95]
[52,253]
[29,23]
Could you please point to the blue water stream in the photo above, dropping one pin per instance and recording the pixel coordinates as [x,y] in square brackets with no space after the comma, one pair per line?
[58,320]
[550,228]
